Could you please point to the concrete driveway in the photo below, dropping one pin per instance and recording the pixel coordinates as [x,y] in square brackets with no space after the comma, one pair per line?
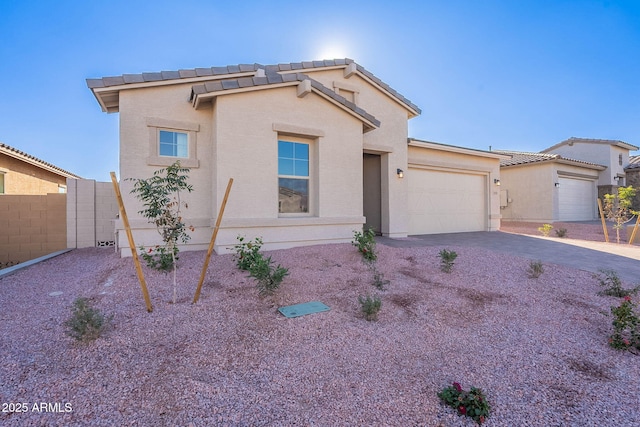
[579,254]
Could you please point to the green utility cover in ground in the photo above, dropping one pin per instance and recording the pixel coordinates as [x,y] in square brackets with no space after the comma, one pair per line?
[302,309]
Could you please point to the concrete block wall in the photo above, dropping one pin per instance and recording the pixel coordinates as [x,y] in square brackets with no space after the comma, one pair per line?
[31,226]
[92,209]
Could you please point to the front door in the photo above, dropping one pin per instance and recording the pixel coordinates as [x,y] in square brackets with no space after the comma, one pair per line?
[372,189]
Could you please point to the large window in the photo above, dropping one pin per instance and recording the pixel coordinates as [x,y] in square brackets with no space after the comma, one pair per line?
[173,144]
[293,177]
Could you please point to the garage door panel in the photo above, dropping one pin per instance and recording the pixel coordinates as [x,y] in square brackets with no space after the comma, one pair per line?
[576,199]
[446,202]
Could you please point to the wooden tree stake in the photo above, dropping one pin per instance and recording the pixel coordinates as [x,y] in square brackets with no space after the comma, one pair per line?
[604,224]
[213,241]
[134,253]
[635,229]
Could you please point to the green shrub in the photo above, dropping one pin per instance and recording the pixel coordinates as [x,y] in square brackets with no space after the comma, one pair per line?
[159,257]
[535,269]
[612,285]
[545,229]
[247,252]
[366,244]
[370,306]
[447,259]
[267,275]
[86,323]
[562,232]
[626,326]
[472,403]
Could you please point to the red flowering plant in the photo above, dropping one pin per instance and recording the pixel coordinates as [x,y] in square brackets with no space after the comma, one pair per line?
[626,326]
[472,403]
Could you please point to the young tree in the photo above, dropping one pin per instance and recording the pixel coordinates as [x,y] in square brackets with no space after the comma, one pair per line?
[617,208]
[160,196]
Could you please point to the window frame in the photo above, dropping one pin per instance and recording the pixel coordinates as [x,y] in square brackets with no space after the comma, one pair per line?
[310,177]
[155,125]
[3,187]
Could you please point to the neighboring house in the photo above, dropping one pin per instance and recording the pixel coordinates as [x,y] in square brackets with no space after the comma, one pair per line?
[563,182]
[632,172]
[33,220]
[548,187]
[22,173]
[316,150]
[611,153]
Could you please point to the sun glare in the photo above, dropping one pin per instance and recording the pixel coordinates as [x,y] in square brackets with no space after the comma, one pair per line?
[332,52]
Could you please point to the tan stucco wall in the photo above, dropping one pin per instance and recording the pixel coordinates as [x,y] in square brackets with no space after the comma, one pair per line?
[31,226]
[24,178]
[390,140]
[236,139]
[441,159]
[531,191]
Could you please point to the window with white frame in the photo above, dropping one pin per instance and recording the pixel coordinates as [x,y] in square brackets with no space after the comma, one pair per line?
[1,182]
[293,177]
[171,140]
[173,144]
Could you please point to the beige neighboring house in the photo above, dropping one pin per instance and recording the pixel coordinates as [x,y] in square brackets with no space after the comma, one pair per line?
[32,208]
[316,149]
[22,173]
[563,182]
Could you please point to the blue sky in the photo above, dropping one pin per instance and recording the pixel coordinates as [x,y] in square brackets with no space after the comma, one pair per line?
[511,74]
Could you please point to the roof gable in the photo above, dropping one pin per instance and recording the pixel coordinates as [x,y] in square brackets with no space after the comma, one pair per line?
[573,140]
[204,92]
[350,68]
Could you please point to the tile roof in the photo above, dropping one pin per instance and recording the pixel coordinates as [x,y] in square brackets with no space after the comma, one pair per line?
[341,62]
[21,155]
[524,158]
[272,78]
[573,140]
[203,73]
[126,79]
[634,163]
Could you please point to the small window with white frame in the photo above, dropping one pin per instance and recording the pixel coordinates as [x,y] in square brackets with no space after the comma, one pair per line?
[1,182]
[171,140]
[173,144]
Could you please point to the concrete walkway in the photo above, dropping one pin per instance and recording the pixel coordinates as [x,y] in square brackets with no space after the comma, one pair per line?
[579,254]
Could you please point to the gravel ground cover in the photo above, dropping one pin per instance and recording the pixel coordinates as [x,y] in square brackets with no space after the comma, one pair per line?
[537,347]
[575,230]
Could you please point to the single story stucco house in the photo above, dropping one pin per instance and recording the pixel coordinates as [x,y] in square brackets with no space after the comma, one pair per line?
[21,173]
[563,182]
[316,150]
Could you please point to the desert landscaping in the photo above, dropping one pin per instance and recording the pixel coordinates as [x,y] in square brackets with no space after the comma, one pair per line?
[537,347]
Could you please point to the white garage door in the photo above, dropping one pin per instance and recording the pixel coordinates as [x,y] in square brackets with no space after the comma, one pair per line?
[576,199]
[446,202]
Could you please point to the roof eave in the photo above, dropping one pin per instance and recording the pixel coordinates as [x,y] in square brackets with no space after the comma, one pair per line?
[40,164]
[455,149]
[100,92]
